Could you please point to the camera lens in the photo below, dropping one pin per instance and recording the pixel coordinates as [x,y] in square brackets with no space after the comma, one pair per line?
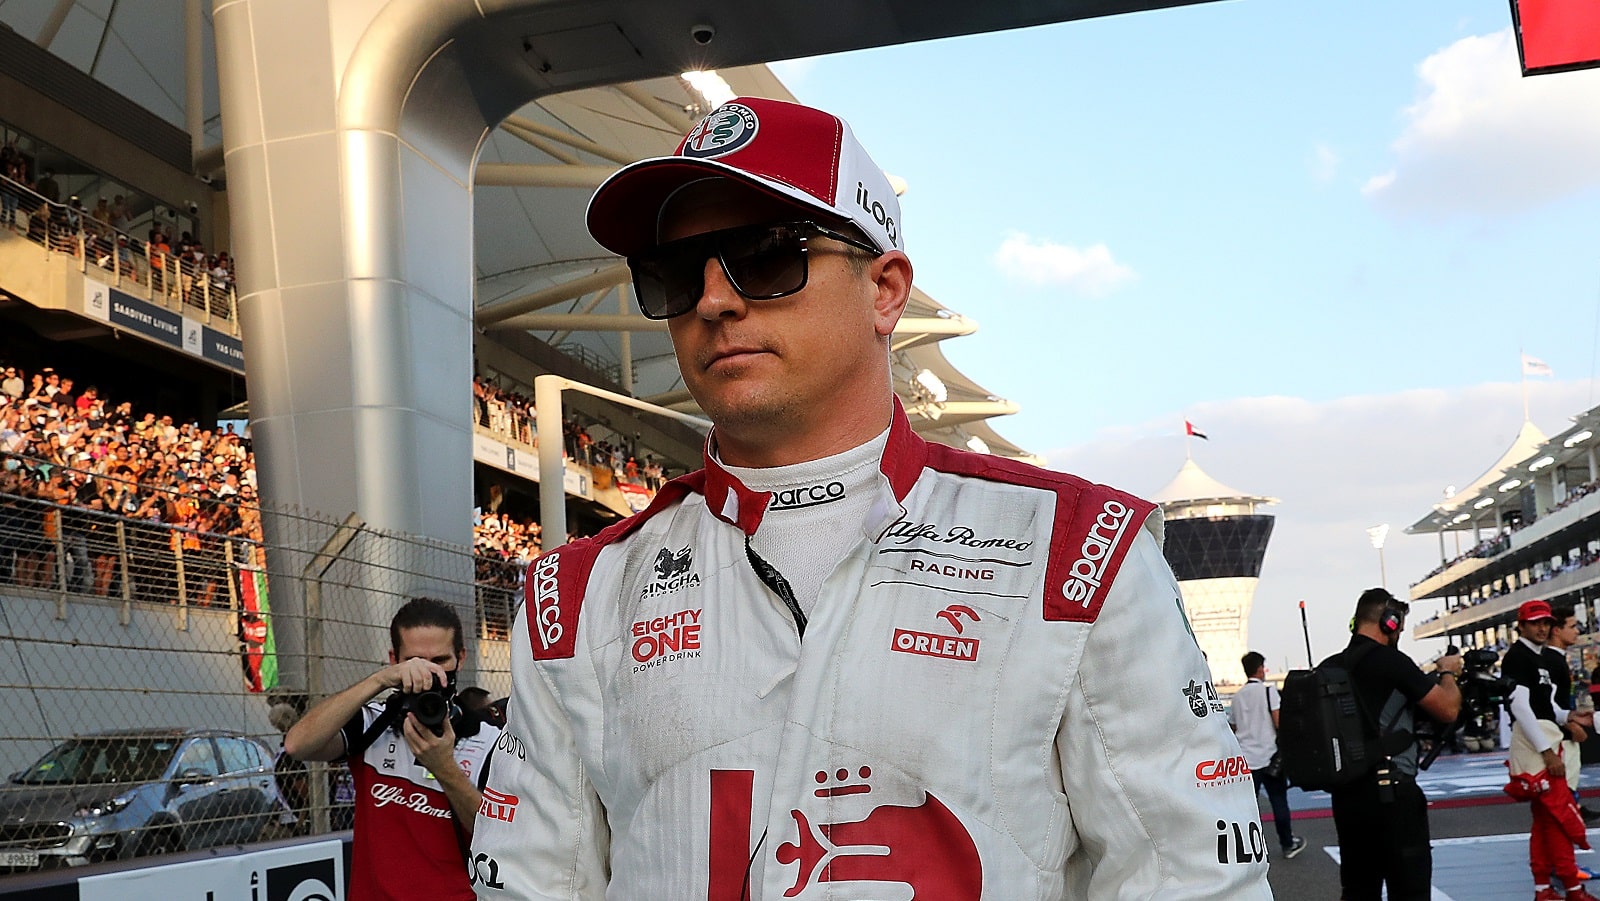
[431,709]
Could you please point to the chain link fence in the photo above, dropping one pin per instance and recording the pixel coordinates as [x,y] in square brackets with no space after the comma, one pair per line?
[147,671]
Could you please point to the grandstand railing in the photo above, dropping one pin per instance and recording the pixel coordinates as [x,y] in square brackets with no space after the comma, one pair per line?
[178,284]
[114,623]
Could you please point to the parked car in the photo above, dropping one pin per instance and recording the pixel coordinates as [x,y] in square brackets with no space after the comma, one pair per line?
[123,794]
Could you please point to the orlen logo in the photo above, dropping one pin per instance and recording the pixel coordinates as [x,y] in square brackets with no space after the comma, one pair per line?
[728,128]
[498,806]
[1224,771]
[1103,538]
[547,601]
[929,644]
[808,496]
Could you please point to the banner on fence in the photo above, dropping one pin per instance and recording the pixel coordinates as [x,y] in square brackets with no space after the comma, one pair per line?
[255,631]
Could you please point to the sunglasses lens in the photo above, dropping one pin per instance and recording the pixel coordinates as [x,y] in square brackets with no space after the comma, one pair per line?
[669,279]
[767,262]
[762,262]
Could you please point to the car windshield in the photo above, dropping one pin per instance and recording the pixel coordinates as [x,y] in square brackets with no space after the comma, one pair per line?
[91,761]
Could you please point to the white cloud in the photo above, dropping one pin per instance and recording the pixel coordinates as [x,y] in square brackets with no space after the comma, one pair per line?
[1090,271]
[1324,163]
[1482,139]
[1339,467]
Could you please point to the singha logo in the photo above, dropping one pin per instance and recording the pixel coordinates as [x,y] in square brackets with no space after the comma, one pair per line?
[669,564]
[673,573]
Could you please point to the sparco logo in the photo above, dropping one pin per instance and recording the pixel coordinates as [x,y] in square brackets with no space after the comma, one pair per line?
[1103,538]
[385,795]
[728,128]
[1224,771]
[547,601]
[808,496]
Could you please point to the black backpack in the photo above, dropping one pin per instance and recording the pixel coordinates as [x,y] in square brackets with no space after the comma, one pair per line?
[1326,736]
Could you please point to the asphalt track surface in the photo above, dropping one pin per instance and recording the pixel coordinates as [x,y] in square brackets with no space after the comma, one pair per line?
[1480,835]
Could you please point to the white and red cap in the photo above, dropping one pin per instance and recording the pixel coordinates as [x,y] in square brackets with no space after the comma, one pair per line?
[792,152]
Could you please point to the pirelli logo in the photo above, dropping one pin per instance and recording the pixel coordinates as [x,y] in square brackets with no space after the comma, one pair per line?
[1086,554]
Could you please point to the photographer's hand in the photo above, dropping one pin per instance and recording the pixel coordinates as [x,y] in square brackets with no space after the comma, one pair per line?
[437,753]
[412,675]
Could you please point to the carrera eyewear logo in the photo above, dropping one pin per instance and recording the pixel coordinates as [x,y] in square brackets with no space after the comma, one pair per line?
[929,644]
[1103,538]
[498,806]
[674,572]
[1224,771]
[547,601]
[728,128]
[1203,698]
[675,636]
[808,496]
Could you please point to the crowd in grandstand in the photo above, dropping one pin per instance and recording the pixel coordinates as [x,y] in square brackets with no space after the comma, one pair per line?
[75,461]
[510,414]
[179,269]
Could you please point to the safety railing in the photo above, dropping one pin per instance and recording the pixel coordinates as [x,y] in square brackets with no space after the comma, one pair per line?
[178,283]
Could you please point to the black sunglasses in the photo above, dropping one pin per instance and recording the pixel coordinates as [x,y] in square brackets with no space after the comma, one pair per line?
[762,262]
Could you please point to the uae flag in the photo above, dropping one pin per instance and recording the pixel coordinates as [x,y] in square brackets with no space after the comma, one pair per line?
[1189,429]
[256,644]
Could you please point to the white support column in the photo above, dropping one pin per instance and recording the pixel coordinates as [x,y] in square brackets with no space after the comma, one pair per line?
[194,80]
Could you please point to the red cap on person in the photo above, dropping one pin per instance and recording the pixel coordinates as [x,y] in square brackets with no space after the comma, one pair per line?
[795,153]
[1533,611]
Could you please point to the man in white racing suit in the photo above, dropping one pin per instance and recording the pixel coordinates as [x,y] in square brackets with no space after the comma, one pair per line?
[841,662]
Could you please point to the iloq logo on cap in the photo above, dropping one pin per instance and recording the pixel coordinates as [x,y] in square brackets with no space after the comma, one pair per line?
[728,128]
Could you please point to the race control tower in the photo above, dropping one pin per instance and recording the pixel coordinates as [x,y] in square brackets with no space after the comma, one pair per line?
[1215,543]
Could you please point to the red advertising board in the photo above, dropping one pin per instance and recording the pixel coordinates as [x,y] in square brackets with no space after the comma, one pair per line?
[1556,35]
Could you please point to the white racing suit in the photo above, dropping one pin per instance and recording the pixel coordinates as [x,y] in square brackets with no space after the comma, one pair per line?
[996,696]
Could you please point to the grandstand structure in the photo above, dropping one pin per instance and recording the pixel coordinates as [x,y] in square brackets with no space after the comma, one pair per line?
[1216,540]
[403,184]
[128,109]
[1528,527]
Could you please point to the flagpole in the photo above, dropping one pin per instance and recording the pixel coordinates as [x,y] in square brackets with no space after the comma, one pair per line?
[1522,364]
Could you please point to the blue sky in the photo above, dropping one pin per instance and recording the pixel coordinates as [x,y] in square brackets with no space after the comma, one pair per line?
[1320,230]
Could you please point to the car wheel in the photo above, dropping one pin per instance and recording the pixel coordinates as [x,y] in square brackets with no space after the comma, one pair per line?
[161,840]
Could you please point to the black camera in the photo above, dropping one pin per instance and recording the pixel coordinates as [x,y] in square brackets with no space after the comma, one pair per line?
[432,705]
[1481,690]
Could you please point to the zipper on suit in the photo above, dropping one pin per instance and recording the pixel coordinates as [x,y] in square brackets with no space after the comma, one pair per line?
[770,577]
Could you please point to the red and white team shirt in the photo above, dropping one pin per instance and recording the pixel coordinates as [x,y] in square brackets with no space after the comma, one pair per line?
[407,842]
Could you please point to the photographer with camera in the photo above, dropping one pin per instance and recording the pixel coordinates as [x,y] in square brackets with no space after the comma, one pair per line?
[1538,770]
[1382,817]
[418,764]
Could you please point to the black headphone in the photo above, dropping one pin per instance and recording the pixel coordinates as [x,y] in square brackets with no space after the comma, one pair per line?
[1393,618]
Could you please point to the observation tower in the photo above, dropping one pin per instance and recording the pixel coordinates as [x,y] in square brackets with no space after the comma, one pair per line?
[1216,540]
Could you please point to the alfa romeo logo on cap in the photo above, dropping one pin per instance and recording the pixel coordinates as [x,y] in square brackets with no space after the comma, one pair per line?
[728,128]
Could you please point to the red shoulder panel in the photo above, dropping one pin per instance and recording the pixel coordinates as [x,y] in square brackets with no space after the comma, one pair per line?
[556,581]
[1091,538]
[1095,525]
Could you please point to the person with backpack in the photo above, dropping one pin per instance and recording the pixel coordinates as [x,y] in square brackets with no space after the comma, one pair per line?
[1253,717]
[1536,761]
[1382,815]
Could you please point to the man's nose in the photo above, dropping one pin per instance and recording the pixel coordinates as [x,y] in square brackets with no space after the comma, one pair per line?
[718,297]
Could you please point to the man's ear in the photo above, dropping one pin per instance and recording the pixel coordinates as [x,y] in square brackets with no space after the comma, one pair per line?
[392,659]
[891,273]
